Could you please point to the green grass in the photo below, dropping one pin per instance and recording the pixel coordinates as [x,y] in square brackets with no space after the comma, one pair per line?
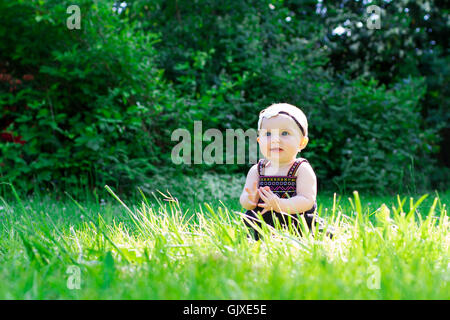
[159,248]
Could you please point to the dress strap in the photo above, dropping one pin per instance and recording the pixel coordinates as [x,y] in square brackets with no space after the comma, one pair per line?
[261,165]
[295,166]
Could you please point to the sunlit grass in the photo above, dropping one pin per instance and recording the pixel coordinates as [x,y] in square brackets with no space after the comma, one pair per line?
[155,249]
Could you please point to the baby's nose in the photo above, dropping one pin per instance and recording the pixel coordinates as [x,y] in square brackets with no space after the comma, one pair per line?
[275,137]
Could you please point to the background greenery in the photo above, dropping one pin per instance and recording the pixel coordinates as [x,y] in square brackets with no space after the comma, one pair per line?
[98,105]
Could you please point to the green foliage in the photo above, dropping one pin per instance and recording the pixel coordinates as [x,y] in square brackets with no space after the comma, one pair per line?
[98,105]
[92,105]
[376,133]
[412,42]
[251,55]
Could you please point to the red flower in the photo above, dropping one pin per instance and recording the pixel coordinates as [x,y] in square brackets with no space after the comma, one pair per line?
[18,139]
[28,77]
[8,137]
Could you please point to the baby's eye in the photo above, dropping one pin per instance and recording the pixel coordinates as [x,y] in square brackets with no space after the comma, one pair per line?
[268,133]
[285,133]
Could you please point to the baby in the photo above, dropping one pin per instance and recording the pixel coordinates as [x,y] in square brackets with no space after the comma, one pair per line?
[281,182]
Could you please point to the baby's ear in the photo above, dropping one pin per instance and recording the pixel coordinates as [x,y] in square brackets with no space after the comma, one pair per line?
[304,143]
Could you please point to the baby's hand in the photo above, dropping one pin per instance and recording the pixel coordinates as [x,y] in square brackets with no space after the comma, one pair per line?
[253,195]
[271,200]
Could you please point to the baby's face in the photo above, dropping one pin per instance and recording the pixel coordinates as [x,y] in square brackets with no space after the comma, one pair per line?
[280,138]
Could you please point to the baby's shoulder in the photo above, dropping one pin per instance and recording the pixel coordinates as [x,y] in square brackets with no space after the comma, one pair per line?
[302,161]
[258,167]
[253,170]
[304,167]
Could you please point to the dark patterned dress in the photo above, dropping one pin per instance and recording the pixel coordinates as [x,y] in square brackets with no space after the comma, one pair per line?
[283,187]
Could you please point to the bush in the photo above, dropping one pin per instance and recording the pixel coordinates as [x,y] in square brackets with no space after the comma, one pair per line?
[374,135]
[92,106]
[98,105]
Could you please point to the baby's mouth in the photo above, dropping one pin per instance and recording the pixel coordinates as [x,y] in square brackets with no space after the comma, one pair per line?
[276,149]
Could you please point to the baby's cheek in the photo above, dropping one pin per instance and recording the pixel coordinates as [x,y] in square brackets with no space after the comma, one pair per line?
[291,140]
[264,143]
[296,141]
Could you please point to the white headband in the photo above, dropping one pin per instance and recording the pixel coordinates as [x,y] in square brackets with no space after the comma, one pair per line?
[295,113]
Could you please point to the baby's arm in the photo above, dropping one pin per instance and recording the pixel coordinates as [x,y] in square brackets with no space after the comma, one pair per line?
[249,197]
[306,191]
